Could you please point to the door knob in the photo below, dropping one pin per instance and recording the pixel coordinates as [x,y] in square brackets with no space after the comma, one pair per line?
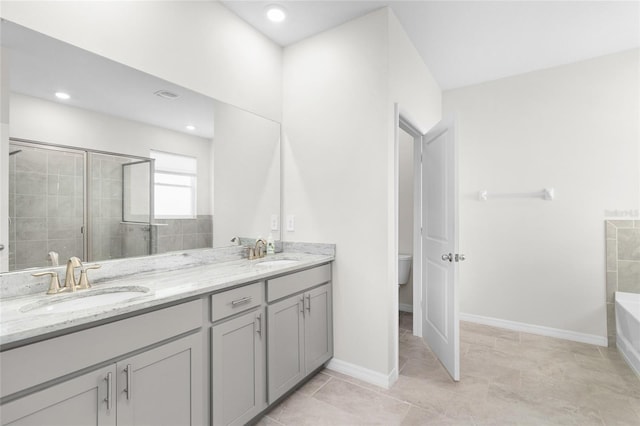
[460,257]
[448,257]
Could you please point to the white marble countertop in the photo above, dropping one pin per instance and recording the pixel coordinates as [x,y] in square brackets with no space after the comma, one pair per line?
[164,287]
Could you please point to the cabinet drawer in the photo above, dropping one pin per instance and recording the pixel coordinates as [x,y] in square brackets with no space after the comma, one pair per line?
[240,299]
[280,287]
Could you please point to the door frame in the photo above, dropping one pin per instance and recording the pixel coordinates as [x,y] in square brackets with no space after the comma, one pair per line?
[409,125]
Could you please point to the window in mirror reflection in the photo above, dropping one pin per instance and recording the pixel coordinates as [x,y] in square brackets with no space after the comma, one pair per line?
[174,185]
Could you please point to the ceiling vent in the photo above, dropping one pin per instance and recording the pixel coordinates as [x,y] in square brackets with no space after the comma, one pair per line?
[166,94]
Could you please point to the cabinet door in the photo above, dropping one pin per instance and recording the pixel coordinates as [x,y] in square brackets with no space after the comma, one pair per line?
[318,327]
[162,386]
[85,400]
[237,369]
[285,362]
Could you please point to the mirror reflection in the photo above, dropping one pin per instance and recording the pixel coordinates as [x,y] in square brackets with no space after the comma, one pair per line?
[128,164]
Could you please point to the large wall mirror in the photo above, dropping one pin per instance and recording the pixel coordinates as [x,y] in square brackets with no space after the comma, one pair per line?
[128,164]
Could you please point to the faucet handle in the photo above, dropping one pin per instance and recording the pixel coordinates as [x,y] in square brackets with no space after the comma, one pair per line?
[54,284]
[84,281]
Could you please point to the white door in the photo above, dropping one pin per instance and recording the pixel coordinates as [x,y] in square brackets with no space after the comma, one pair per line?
[440,327]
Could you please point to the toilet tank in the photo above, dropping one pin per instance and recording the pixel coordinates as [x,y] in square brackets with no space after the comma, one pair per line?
[404,268]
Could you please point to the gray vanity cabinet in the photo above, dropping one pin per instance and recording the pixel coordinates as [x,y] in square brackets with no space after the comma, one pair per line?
[238,371]
[300,327]
[146,374]
[156,386]
[286,345]
[238,343]
[85,400]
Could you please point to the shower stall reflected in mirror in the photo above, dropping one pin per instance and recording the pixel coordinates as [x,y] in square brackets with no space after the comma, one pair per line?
[67,202]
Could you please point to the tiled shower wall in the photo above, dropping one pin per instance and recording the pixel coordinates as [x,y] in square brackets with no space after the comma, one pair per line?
[45,205]
[184,234]
[105,208]
[623,265]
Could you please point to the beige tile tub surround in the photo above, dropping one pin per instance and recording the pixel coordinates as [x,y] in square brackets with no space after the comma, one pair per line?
[508,378]
[623,265]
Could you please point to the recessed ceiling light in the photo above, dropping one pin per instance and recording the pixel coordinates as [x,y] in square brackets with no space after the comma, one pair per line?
[62,95]
[190,127]
[276,13]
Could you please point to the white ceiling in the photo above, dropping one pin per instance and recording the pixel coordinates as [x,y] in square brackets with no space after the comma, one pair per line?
[469,42]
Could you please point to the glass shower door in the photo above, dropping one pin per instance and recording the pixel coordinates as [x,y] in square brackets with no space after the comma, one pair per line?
[119,213]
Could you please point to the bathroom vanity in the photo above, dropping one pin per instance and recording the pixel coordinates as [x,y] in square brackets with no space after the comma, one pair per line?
[213,343]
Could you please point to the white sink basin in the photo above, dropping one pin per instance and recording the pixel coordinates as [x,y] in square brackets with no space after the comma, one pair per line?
[85,300]
[277,262]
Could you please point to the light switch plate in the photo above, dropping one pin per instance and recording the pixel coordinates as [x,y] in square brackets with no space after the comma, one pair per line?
[274,222]
[291,223]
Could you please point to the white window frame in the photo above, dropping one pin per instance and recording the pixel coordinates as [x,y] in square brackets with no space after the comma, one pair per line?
[159,170]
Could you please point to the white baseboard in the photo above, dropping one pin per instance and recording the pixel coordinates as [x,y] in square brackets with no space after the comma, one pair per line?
[405,307]
[364,374]
[574,336]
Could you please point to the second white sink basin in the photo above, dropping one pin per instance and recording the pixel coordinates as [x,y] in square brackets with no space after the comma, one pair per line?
[85,300]
[277,262]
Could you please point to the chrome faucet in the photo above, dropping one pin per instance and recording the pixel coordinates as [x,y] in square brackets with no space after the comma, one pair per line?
[70,283]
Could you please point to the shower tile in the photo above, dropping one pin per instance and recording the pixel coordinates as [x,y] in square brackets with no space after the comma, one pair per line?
[61,185]
[169,243]
[115,248]
[61,163]
[110,169]
[30,206]
[60,206]
[113,208]
[30,183]
[173,227]
[629,244]
[64,247]
[612,285]
[189,241]
[31,160]
[629,276]
[205,224]
[636,223]
[204,240]
[190,226]
[612,255]
[63,227]
[31,253]
[111,189]
[30,229]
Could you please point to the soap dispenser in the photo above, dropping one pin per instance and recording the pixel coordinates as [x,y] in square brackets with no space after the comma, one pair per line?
[271,245]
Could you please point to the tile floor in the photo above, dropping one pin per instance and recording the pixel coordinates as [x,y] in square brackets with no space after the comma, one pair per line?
[508,378]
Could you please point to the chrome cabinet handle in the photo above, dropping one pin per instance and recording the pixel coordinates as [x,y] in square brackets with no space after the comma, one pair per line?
[259,324]
[240,301]
[448,257]
[301,304]
[109,390]
[308,297]
[129,372]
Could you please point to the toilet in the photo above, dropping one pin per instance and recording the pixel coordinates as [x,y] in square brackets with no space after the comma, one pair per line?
[404,268]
